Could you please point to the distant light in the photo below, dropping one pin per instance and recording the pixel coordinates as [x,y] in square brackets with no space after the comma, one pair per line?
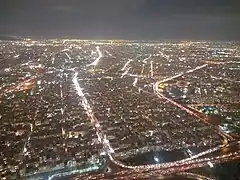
[184,96]
[156,159]
[25,149]
[111,150]
[151,132]
[103,153]
[97,125]
[210,164]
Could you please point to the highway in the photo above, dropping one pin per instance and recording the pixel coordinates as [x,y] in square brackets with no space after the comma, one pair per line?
[109,151]
[164,168]
[94,63]
[204,118]
[183,73]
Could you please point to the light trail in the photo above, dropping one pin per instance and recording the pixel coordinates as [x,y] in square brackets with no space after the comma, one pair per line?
[64,50]
[98,58]
[176,166]
[180,163]
[135,82]
[195,69]
[134,75]
[92,52]
[151,69]
[16,56]
[53,60]
[143,66]
[94,121]
[181,74]
[202,153]
[146,59]
[68,56]
[160,95]
[127,63]
[108,149]
[109,54]
[31,127]
[25,146]
[225,135]
[62,111]
[61,91]
[172,167]
[171,78]
[125,73]
[150,171]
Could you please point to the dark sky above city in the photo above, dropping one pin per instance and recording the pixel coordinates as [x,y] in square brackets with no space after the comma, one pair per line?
[126,19]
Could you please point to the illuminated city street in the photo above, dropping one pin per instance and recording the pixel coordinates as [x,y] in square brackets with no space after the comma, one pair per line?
[87,109]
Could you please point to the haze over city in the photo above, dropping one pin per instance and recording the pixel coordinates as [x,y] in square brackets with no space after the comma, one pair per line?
[125,19]
[123,90]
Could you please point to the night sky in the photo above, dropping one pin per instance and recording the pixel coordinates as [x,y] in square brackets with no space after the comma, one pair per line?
[125,19]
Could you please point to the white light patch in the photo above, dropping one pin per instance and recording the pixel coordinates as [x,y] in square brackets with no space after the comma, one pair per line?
[156,159]
[135,82]
[97,59]
[210,164]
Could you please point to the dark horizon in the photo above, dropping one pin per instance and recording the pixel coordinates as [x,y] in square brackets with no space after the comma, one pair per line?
[132,19]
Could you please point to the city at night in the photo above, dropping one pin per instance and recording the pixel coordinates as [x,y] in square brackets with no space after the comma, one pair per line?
[136,101]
